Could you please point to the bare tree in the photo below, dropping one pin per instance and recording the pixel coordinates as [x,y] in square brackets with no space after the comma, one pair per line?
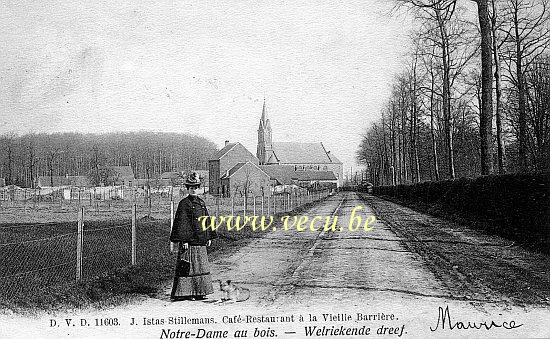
[527,36]
[486,111]
[8,141]
[501,150]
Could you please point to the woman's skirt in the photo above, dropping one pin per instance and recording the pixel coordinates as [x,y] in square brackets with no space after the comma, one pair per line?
[198,281]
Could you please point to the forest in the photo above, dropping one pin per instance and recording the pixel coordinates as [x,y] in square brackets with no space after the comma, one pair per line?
[25,157]
[473,96]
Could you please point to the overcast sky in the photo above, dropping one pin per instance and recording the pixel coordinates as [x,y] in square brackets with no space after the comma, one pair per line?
[200,67]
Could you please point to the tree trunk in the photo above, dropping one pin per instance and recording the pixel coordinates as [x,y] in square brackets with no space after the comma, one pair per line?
[522,121]
[446,95]
[414,123]
[432,130]
[501,151]
[486,112]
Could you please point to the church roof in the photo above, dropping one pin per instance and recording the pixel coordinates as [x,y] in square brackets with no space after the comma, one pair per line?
[285,174]
[301,153]
[333,158]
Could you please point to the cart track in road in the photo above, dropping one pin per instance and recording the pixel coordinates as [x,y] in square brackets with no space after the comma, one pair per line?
[471,264]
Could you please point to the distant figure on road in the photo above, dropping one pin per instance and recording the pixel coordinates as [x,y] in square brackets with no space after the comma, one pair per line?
[192,280]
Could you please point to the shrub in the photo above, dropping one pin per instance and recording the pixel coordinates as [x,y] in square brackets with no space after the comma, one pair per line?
[515,206]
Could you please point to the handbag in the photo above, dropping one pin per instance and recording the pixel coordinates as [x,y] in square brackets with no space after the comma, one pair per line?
[183,266]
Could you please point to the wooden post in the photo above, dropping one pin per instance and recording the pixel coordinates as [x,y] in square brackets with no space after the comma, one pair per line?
[217,206]
[232,205]
[245,202]
[289,205]
[268,205]
[134,221]
[79,239]
[172,245]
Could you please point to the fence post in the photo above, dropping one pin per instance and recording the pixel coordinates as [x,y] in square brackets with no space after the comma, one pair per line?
[134,221]
[79,239]
[172,245]
[245,202]
[217,206]
[289,205]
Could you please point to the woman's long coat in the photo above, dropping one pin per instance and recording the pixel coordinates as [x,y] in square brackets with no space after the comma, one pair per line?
[187,228]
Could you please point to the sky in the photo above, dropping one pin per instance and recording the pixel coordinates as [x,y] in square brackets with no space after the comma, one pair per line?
[201,67]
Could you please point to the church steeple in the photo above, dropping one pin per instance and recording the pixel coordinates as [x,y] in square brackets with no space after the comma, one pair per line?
[264,113]
[264,137]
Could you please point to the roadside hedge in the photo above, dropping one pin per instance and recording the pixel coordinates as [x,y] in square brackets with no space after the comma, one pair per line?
[515,206]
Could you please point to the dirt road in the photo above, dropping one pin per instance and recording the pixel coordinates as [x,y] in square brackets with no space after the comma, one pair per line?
[410,276]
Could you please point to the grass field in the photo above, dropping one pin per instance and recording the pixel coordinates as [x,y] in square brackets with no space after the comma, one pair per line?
[38,258]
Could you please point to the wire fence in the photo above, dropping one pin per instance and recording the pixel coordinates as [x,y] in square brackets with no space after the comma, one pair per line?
[90,241]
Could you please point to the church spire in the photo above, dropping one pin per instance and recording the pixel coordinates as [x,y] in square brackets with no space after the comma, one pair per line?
[264,137]
[264,113]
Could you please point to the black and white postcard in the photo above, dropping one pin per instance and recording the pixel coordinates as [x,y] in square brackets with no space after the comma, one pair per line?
[275,169]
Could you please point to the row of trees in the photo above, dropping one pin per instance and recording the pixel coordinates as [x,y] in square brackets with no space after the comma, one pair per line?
[25,157]
[470,82]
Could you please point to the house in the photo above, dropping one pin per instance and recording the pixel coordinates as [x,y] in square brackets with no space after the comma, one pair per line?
[225,159]
[120,176]
[290,175]
[245,178]
[174,178]
[67,180]
[301,155]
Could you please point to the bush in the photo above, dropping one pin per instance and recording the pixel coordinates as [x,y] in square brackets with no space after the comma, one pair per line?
[515,206]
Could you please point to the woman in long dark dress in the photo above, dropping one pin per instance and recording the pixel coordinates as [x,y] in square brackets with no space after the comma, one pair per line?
[192,242]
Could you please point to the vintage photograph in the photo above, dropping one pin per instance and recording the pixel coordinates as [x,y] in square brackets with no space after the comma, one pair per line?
[275,169]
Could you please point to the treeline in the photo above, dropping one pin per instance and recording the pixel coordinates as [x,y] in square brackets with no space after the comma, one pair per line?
[25,157]
[473,97]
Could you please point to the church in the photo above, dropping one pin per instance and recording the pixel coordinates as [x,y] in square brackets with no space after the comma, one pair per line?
[277,166]
[303,156]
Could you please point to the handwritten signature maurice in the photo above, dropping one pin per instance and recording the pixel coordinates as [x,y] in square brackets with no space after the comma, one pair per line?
[444,321]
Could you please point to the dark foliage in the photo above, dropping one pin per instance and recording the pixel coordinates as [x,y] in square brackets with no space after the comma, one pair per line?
[515,206]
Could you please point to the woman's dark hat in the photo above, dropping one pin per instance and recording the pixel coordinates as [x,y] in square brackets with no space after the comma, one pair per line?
[193,179]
